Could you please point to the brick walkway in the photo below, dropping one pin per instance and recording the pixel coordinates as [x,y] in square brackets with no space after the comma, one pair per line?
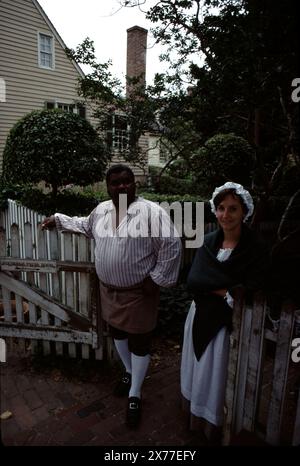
[51,406]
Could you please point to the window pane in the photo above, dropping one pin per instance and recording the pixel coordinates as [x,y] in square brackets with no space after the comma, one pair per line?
[46,50]
[117,134]
[46,60]
[163,153]
[121,122]
[46,43]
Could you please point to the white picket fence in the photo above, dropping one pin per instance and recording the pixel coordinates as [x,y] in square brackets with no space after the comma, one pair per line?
[59,265]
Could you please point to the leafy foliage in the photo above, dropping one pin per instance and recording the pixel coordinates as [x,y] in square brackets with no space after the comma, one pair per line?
[56,147]
[68,201]
[157,197]
[240,58]
[107,98]
[223,157]
[72,201]
[173,308]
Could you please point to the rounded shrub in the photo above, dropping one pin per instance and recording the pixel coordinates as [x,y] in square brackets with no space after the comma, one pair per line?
[224,157]
[56,147]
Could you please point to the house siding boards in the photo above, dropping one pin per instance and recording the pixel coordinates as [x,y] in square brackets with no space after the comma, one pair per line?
[28,86]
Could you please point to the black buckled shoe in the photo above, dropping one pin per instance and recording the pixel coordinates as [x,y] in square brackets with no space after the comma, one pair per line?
[134,409]
[123,386]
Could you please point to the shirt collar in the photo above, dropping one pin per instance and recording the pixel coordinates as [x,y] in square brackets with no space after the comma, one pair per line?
[110,206]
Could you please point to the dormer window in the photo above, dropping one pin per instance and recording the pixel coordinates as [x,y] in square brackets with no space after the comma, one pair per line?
[46,51]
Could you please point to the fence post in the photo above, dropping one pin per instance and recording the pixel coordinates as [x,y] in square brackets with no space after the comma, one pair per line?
[84,288]
[296,434]
[42,251]
[2,241]
[254,354]
[233,364]
[97,323]
[280,371]
[54,254]
[68,239]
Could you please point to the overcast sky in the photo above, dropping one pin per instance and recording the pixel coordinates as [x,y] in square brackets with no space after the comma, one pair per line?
[101,22]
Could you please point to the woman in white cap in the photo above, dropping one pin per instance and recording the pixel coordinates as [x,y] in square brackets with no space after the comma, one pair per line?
[231,256]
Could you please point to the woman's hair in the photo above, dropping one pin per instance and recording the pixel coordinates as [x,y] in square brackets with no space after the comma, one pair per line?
[222,194]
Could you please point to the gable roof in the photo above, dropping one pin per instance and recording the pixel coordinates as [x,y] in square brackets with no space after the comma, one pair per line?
[56,34]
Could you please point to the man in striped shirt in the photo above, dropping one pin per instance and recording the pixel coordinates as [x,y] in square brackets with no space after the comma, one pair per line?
[137,250]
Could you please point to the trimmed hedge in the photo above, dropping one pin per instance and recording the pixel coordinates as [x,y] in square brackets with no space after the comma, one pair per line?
[67,201]
[73,201]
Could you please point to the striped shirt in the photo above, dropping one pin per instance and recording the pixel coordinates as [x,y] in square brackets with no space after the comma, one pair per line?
[144,244]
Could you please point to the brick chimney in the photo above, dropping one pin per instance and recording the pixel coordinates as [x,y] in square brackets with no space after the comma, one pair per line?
[136,55]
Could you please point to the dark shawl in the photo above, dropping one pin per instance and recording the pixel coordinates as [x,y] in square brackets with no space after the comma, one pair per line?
[246,266]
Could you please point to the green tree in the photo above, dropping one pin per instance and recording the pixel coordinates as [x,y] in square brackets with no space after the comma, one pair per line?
[56,147]
[107,97]
[163,108]
[240,58]
[224,157]
[243,56]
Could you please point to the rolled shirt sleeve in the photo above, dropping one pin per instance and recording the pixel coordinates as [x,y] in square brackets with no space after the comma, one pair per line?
[168,248]
[75,224]
[168,262]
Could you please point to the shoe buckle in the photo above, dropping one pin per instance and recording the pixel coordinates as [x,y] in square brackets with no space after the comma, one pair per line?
[133,405]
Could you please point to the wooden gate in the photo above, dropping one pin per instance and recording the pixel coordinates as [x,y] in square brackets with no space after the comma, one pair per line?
[262,394]
[48,286]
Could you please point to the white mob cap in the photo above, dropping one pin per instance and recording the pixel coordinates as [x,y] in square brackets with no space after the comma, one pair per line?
[245,195]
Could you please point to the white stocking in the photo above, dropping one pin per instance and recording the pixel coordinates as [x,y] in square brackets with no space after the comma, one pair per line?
[124,353]
[139,365]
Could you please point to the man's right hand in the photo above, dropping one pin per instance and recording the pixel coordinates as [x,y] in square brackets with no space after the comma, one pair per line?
[49,223]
